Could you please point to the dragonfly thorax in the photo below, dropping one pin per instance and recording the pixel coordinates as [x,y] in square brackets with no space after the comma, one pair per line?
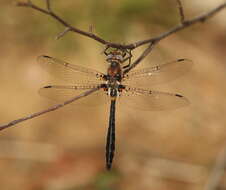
[114,72]
[113,88]
[114,91]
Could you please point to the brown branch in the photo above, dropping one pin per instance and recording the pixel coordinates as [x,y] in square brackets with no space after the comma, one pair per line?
[181,11]
[48,5]
[55,107]
[60,35]
[199,19]
[181,26]
[59,19]
[141,57]
[151,41]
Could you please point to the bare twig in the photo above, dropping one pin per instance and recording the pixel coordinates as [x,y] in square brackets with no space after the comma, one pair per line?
[214,182]
[59,19]
[60,35]
[186,23]
[55,107]
[48,5]
[181,11]
[181,26]
[152,42]
[142,56]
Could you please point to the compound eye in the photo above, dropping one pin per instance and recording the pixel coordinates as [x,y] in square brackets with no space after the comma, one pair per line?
[119,57]
[109,56]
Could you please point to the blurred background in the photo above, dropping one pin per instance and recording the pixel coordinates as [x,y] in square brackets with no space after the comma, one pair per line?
[65,149]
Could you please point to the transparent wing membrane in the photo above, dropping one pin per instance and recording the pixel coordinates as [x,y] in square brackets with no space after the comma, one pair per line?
[110,88]
[151,100]
[84,79]
[68,72]
[158,74]
[62,93]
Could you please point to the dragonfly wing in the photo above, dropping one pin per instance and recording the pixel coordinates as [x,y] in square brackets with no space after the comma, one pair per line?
[158,74]
[69,72]
[61,93]
[150,100]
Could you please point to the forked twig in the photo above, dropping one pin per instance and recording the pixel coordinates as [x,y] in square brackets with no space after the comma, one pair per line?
[152,42]
[55,107]
[60,35]
[59,19]
[181,11]
[184,24]
[141,57]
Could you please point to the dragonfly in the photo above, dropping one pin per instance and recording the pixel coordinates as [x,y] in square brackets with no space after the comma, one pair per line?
[115,86]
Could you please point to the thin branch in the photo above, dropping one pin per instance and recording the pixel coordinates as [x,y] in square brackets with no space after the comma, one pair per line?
[181,26]
[48,5]
[59,19]
[181,11]
[151,41]
[199,19]
[60,35]
[214,182]
[141,57]
[55,107]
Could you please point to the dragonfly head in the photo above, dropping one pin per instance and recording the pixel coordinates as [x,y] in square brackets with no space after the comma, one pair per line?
[116,55]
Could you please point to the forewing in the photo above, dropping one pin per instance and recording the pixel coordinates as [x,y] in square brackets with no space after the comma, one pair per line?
[158,74]
[69,72]
[61,93]
[150,100]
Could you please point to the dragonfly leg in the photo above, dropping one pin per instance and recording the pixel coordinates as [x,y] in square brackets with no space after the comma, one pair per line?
[128,52]
[105,50]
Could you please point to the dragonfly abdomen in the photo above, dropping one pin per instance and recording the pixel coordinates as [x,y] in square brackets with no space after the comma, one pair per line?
[110,146]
